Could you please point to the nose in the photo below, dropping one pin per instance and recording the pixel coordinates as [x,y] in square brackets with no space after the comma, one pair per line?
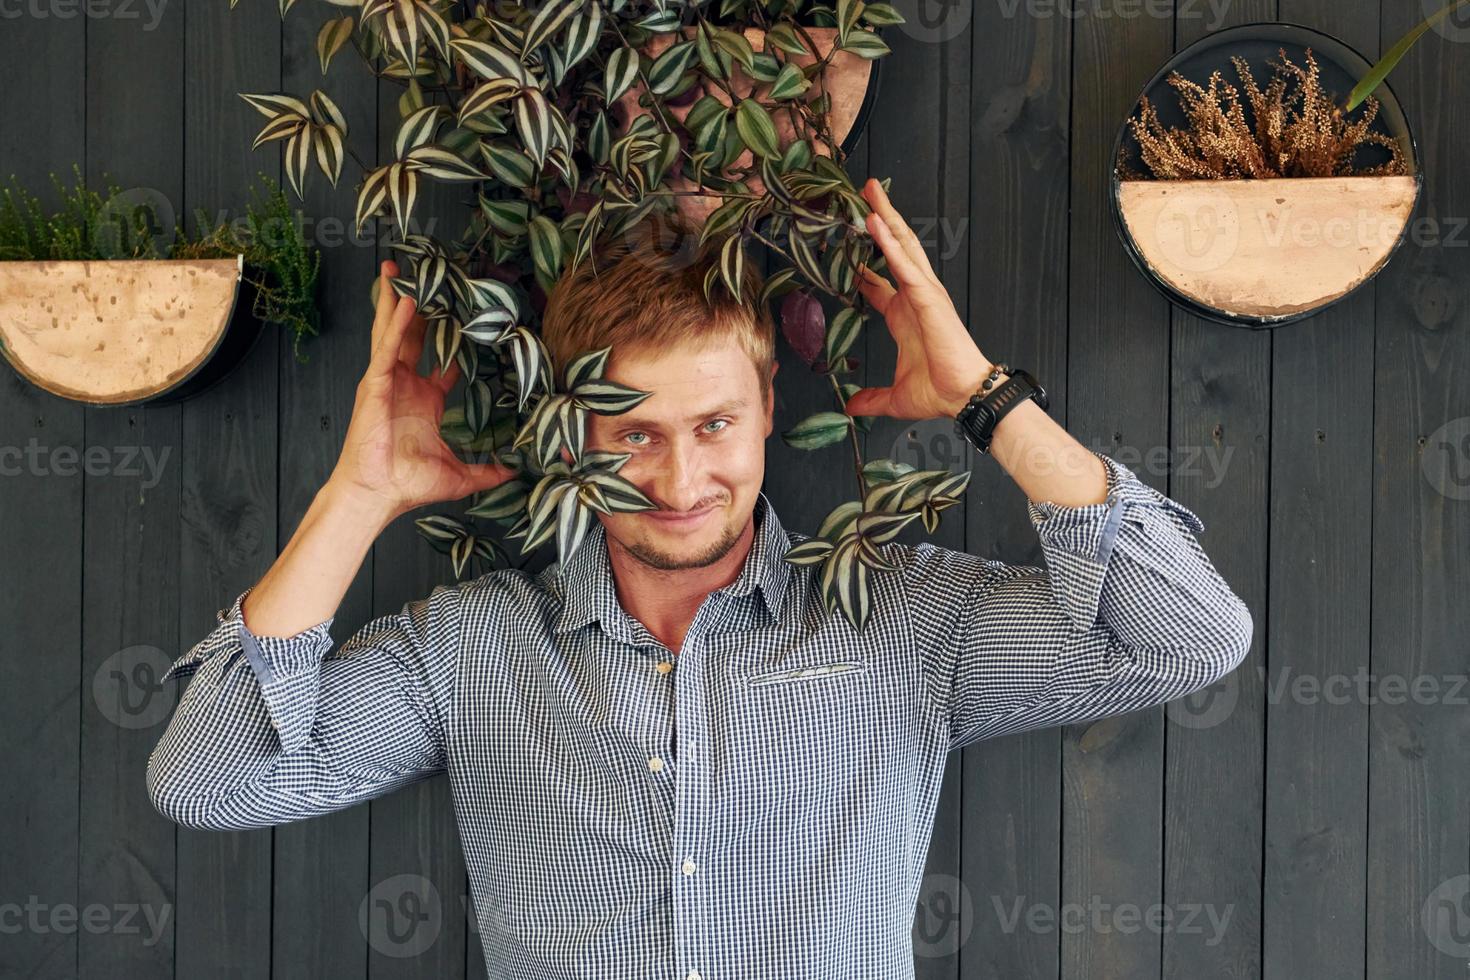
[677,483]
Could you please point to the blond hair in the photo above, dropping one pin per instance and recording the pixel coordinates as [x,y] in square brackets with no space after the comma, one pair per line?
[647,294]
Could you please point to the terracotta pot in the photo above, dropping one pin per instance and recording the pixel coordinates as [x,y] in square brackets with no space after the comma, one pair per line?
[127,331]
[847,80]
[1263,253]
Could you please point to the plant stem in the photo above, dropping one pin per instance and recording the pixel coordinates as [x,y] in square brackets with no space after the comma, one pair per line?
[857,456]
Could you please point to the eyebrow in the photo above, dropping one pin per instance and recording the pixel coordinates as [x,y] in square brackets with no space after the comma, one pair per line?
[730,407]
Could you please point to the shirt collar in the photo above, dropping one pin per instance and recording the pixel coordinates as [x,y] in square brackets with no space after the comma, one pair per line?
[588,591]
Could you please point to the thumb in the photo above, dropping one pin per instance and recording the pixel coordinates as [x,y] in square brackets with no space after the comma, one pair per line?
[869,401]
[488,476]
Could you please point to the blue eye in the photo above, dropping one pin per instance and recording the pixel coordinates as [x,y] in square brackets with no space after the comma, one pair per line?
[632,434]
[723,421]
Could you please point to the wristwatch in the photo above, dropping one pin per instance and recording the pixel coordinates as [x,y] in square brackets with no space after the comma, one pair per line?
[978,419]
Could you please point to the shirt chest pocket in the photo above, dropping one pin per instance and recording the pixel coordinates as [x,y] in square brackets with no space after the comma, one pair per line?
[807,673]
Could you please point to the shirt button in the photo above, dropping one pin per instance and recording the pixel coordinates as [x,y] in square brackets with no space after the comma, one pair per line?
[693,975]
[689,866]
[656,764]
[664,667]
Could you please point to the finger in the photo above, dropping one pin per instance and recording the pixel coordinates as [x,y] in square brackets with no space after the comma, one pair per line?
[446,379]
[487,476]
[412,349]
[875,288]
[386,299]
[904,269]
[878,197]
[387,351]
[869,401]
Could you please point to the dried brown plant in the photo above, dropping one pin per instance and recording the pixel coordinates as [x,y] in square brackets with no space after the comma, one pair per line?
[1299,131]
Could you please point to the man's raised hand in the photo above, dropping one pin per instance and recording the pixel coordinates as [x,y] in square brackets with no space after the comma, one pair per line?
[393,457]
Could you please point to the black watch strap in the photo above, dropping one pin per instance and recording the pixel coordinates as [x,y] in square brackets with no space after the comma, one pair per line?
[978,419]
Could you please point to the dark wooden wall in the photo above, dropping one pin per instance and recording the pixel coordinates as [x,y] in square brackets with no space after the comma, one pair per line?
[1253,834]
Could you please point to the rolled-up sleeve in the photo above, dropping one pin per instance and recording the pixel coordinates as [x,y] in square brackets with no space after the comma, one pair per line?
[1127,613]
[276,729]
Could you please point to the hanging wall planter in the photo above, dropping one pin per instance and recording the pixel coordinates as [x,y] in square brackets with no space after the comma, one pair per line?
[127,331]
[1228,216]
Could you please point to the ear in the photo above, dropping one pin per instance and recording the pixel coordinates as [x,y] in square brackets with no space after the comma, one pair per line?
[771,399]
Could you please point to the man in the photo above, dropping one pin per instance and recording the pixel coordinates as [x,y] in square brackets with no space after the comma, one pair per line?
[667,758]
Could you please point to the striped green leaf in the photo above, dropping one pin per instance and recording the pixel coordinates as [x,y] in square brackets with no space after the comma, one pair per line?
[586,366]
[547,249]
[490,60]
[757,129]
[608,397]
[502,503]
[622,68]
[816,431]
[533,122]
[809,552]
[553,15]
[732,265]
[790,83]
[669,67]
[844,329]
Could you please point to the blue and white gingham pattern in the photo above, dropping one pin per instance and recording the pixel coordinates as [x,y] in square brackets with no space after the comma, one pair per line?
[758,807]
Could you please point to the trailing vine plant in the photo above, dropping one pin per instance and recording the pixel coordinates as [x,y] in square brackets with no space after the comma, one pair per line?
[573,120]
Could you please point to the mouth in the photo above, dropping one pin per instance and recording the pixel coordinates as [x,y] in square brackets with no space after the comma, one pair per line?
[680,519]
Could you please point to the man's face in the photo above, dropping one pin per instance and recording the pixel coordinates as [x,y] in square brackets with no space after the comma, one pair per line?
[697,446]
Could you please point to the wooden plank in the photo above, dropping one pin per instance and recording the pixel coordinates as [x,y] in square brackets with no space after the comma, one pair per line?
[414,844]
[1021,156]
[228,491]
[321,864]
[130,612]
[924,87]
[1213,799]
[1116,402]
[1316,622]
[41,514]
[1419,788]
